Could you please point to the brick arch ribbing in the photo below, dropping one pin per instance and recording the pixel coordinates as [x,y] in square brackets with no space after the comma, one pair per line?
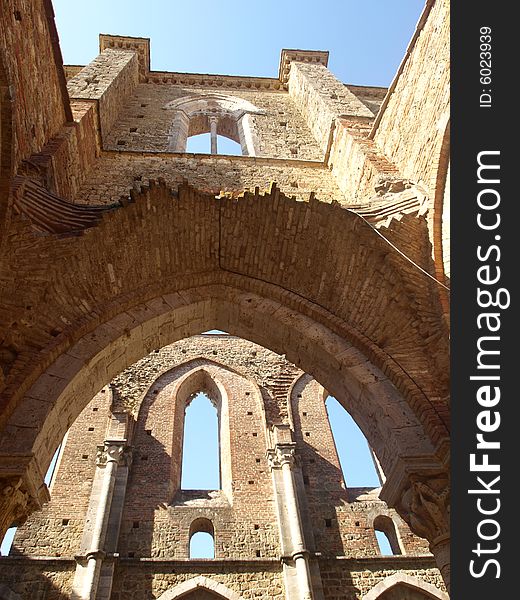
[6,148]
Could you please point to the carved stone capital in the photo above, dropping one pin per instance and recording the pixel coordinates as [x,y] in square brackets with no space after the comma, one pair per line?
[112,451]
[16,503]
[22,490]
[425,505]
[281,455]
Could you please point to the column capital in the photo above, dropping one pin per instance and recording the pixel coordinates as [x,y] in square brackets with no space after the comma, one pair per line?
[425,505]
[115,451]
[282,454]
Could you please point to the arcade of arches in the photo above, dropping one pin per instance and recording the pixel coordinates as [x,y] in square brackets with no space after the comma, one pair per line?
[323,250]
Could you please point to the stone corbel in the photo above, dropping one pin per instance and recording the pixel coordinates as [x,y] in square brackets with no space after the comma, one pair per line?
[22,490]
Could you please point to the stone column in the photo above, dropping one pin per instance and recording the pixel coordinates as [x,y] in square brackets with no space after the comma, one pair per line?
[87,578]
[213,131]
[283,458]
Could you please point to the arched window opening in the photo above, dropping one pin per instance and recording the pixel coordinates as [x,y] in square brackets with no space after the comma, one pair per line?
[7,542]
[201,144]
[201,448]
[225,118]
[387,536]
[202,539]
[355,457]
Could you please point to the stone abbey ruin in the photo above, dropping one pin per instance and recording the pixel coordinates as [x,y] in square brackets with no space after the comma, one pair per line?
[322,250]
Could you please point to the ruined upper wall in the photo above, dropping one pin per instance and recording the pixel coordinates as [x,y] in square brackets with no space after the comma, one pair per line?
[415,114]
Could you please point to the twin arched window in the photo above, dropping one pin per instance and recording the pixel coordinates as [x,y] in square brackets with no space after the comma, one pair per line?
[219,115]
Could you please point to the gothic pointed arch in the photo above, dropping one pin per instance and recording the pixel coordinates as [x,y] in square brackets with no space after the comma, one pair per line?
[400,583]
[183,590]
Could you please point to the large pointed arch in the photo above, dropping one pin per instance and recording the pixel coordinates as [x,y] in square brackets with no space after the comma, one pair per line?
[200,583]
[178,268]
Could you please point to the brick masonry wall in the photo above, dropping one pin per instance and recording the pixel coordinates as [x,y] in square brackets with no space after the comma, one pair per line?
[56,530]
[356,163]
[77,148]
[240,532]
[37,100]
[340,517]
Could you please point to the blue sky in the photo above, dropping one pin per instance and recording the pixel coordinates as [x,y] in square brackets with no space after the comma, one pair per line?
[366,38]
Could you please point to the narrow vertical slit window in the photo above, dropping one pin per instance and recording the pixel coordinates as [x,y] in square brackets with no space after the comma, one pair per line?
[387,536]
[201,451]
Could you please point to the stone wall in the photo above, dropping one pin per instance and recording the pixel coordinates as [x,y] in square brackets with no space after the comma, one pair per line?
[49,579]
[345,579]
[115,173]
[36,85]
[56,530]
[110,78]
[144,122]
[416,113]
[321,98]
[147,580]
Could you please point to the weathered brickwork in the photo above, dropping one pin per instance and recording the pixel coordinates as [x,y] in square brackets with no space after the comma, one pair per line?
[116,243]
[110,78]
[56,530]
[30,66]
